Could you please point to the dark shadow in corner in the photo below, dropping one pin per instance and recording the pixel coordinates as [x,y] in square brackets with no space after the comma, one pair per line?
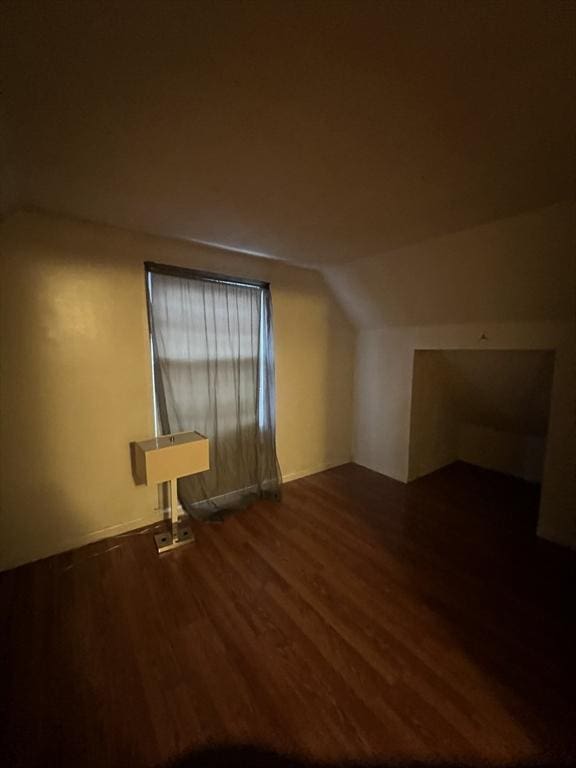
[245,756]
[466,538]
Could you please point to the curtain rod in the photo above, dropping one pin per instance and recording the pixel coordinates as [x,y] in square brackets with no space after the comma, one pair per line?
[198,274]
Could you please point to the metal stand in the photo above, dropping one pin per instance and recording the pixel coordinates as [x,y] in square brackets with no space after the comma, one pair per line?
[180,532]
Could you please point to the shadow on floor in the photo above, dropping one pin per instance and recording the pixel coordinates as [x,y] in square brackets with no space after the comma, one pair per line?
[254,757]
[467,539]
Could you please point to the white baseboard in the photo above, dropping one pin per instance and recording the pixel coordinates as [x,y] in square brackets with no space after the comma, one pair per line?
[287,478]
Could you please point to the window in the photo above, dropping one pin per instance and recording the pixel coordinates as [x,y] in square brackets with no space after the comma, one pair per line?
[213,372]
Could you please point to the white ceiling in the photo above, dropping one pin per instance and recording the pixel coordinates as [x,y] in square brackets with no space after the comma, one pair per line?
[316,132]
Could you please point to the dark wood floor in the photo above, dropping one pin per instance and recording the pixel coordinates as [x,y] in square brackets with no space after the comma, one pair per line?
[361,618]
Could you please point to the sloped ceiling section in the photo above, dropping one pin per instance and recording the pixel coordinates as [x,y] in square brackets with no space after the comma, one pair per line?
[520,269]
[507,390]
[313,132]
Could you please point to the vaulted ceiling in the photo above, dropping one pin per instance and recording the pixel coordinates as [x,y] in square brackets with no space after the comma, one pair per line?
[317,132]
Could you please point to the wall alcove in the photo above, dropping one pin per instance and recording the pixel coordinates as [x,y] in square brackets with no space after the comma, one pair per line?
[485,407]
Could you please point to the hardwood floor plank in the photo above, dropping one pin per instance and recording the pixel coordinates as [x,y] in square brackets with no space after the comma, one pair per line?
[362,631]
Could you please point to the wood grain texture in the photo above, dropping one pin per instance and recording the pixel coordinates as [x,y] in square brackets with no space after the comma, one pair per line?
[360,618]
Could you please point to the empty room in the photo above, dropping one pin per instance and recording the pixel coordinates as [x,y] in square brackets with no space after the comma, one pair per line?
[288,383]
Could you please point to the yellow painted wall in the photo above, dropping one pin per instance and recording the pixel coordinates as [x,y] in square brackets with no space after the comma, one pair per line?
[75,376]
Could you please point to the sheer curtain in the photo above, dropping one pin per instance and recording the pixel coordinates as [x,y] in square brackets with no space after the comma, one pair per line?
[213,359]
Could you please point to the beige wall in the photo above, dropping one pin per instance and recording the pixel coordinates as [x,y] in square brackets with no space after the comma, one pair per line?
[519,269]
[433,426]
[76,383]
[515,454]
